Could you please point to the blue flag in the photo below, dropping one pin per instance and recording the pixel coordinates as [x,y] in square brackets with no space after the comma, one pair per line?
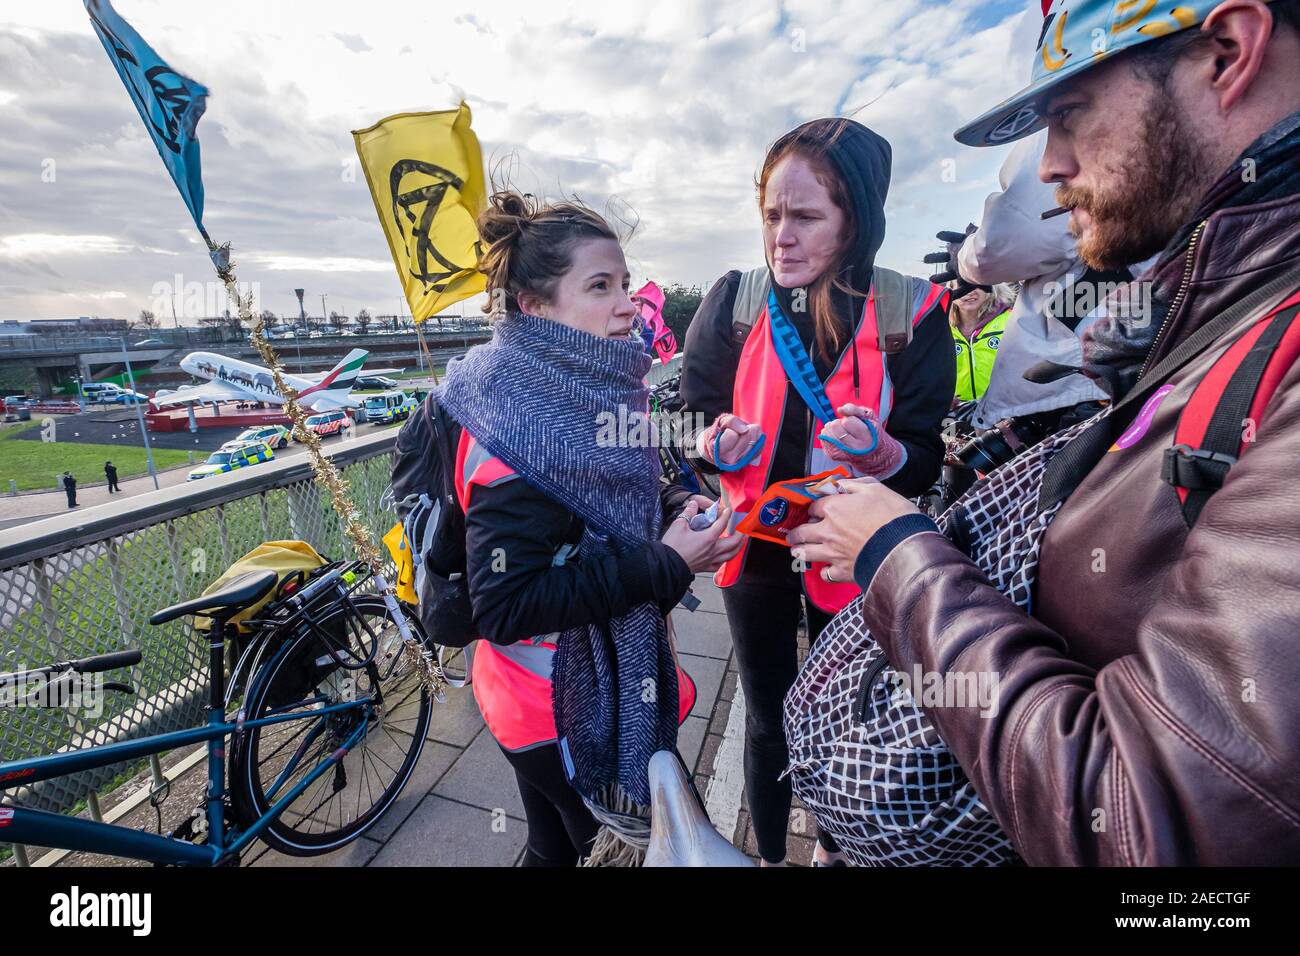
[170,104]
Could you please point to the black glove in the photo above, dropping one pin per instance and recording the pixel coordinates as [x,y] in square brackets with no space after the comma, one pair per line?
[952,245]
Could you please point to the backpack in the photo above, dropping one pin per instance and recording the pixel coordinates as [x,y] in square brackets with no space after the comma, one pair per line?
[893,296]
[433,524]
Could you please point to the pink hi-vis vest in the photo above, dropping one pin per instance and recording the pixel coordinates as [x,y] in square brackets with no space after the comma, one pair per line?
[512,682]
[759,398]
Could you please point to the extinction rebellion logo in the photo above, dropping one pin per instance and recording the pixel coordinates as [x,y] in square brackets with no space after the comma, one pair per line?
[415,205]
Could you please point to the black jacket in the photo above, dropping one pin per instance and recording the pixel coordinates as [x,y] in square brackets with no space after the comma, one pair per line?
[512,534]
[924,377]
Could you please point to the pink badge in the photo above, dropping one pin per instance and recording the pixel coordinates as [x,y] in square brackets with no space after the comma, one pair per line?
[1142,423]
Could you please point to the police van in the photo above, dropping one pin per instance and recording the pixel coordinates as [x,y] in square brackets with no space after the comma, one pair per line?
[230,459]
[388,407]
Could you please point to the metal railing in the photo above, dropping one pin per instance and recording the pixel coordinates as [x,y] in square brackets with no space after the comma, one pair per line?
[663,370]
[87,583]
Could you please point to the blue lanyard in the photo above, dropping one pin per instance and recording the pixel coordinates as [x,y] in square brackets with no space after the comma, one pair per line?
[799,370]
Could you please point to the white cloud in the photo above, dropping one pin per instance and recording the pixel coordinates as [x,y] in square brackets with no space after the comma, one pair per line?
[43,245]
[667,106]
[325,264]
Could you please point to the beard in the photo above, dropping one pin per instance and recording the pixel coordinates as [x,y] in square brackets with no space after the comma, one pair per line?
[1151,191]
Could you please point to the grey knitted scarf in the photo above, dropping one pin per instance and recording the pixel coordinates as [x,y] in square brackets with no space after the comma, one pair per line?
[533,396]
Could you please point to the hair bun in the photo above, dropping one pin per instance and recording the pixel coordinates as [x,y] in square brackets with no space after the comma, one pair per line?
[504,219]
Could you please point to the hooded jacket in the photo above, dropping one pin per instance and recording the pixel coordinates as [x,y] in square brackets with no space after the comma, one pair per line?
[1015,244]
[923,375]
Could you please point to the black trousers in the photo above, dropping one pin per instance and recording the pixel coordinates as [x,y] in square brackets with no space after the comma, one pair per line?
[112,485]
[764,619]
[560,827]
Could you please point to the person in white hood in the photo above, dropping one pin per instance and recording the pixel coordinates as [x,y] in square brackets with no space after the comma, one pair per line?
[1014,244]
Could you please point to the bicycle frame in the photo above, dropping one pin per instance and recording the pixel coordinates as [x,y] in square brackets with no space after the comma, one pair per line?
[43,828]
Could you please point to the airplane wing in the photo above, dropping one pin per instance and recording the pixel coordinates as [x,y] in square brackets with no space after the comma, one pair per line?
[316,377]
[214,391]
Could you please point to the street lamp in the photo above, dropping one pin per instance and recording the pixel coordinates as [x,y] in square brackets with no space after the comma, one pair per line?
[302,326]
[139,415]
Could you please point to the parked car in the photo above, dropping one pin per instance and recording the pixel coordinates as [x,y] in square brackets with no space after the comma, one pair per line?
[124,396]
[276,436]
[149,344]
[330,423]
[376,381]
[219,462]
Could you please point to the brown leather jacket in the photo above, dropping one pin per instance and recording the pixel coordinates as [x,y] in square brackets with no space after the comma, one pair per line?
[1148,713]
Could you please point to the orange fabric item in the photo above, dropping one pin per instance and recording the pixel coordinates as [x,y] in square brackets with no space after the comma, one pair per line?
[512,682]
[759,398]
[785,506]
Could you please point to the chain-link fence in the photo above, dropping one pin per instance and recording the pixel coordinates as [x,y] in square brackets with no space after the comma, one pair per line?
[79,589]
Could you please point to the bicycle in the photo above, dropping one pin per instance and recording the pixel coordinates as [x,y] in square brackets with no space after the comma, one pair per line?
[330,712]
[666,399]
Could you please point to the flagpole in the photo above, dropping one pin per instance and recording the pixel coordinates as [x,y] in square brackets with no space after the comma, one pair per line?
[416,655]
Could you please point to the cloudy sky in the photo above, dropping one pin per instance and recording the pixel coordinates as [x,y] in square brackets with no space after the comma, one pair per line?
[661,108]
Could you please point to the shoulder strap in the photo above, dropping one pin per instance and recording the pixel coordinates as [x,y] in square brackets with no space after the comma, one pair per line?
[1068,469]
[444,447]
[894,301]
[1199,472]
[750,299]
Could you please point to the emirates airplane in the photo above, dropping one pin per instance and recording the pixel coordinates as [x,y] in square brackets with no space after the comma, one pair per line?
[233,380]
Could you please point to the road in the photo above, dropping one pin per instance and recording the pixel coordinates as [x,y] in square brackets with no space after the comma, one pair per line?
[20,509]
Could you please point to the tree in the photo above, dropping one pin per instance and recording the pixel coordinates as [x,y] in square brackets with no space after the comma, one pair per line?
[680,305]
[363,320]
[337,320]
[214,324]
[269,318]
[147,320]
[395,322]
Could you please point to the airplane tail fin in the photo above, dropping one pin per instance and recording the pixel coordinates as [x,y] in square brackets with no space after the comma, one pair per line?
[334,387]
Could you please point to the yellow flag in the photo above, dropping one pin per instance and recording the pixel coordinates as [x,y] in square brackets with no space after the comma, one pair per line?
[425,172]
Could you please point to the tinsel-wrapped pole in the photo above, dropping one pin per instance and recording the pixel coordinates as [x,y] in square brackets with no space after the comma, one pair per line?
[415,655]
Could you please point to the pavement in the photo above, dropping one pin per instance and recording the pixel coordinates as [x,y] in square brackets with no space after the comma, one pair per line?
[462,807]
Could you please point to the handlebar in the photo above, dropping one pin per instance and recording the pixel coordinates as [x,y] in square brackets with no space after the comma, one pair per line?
[105,662]
[85,665]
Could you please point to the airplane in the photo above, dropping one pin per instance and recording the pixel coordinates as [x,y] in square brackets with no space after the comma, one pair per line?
[234,380]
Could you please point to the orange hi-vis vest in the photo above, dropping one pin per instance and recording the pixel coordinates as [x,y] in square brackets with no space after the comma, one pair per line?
[512,682]
[759,398]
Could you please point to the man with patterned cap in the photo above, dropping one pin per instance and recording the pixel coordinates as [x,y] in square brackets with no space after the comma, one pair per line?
[1132,582]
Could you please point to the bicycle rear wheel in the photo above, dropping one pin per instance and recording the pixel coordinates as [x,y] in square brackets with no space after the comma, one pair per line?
[304,677]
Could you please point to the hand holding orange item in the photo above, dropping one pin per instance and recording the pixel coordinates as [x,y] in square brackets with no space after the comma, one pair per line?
[784,506]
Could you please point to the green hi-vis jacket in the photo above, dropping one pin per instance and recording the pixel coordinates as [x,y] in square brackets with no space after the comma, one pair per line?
[975,359]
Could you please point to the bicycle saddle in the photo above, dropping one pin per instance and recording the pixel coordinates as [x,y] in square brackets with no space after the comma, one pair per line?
[242,591]
[680,831]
